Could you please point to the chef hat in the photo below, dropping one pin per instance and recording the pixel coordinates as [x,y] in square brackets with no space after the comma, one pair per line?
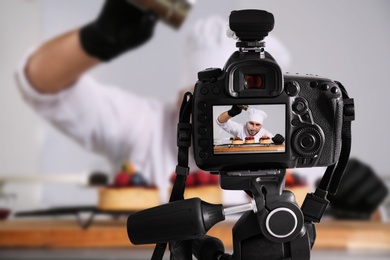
[207,45]
[256,115]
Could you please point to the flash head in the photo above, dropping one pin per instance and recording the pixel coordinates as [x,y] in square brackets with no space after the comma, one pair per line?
[251,25]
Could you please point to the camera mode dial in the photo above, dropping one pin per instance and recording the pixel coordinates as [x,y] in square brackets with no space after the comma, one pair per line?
[307,141]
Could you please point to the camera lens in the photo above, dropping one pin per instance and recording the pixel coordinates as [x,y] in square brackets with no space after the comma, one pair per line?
[253,81]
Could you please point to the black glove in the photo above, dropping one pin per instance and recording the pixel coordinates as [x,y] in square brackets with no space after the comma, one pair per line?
[119,27]
[278,139]
[360,193]
[235,110]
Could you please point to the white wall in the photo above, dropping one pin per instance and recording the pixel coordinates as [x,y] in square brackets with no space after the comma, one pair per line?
[21,131]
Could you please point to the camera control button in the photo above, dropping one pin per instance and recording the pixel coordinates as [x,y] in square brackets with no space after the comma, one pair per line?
[305,161]
[202,106]
[204,91]
[334,90]
[203,154]
[202,130]
[291,88]
[325,87]
[202,118]
[306,117]
[313,84]
[307,141]
[216,90]
[299,106]
[209,74]
[295,122]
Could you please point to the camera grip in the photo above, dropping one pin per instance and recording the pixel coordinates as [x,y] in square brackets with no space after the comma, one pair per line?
[175,221]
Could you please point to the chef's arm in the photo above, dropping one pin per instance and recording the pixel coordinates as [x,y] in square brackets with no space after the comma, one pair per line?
[58,63]
[225,116]
[118,28]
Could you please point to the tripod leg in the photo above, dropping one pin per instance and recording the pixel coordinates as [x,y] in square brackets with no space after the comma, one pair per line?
[180,250]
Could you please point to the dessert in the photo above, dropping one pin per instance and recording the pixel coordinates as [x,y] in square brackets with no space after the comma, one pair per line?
[130,192]
[128,198]
[265,140]
[249,140]
[202,185]
[237,140]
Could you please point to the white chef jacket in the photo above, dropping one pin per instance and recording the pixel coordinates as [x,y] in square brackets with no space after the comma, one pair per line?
[240,130]
[118,125]
[114,123]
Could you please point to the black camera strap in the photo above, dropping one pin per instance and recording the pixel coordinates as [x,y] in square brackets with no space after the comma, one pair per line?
[181,248]
[315,203]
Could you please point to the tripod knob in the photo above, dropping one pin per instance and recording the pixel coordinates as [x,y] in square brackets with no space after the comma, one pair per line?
[283,221]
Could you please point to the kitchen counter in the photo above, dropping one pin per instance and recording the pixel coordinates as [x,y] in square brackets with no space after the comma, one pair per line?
[66,233]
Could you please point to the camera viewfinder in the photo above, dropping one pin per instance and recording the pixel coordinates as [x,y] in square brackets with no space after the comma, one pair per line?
[253,81]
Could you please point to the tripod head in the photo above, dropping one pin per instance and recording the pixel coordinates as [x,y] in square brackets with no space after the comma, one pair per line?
[271,218]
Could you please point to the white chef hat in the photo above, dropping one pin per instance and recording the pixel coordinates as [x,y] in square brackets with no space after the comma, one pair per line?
[207,45]
[256,115]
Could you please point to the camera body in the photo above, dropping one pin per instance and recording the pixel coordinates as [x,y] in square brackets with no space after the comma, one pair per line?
[306,110]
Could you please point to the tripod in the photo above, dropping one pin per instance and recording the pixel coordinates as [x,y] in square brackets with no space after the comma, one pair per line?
[274,229]
[272,226]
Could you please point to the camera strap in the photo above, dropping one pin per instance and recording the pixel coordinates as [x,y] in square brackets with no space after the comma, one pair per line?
[181,248]
[315,203]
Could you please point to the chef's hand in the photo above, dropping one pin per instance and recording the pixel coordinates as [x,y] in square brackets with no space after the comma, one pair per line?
[119,27]
[235,110]
[278,139]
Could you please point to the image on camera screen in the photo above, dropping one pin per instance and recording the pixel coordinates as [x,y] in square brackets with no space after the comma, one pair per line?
[250,129]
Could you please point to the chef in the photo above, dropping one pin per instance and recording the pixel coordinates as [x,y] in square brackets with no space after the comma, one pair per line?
[54,81]
[252,127]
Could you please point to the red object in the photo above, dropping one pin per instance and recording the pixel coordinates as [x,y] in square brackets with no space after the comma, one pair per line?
[122,179]
[264,137]
[191,180]
[199,178]
[202,178]
[290,181]
[4,214]
[294,180]
[214,179]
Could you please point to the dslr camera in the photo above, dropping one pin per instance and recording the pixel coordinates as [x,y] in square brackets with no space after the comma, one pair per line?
[306,110]
[287,121]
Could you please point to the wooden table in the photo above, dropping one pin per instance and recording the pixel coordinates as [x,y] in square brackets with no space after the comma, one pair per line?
[249,148]
[339,235]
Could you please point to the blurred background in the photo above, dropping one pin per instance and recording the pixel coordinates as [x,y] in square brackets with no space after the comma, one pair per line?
[344,40]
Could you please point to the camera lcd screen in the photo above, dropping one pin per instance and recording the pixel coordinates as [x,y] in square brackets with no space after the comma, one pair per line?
[249,131]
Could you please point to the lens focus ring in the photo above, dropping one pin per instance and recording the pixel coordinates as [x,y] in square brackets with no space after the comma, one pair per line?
[307,141]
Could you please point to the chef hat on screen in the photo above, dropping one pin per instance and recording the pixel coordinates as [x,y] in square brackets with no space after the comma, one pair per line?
[256,115]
